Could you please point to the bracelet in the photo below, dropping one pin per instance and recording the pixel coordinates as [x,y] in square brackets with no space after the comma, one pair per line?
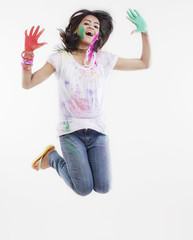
[26,55]
[26,68]
[27,61]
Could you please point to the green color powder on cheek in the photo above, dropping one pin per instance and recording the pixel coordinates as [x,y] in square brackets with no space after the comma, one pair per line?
[81,32]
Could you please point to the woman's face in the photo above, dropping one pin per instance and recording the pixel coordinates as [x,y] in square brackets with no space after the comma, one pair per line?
[88,29]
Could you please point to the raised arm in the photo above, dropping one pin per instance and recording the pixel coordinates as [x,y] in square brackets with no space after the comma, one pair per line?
[30,80]
[144,61]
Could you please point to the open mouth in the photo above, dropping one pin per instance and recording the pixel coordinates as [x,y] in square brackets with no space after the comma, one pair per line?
[89,33]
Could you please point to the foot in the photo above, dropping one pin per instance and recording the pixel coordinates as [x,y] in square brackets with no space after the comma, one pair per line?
[44,161]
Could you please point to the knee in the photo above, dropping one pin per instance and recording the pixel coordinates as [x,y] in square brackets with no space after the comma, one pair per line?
[84,193]
[103,188]
[84,190]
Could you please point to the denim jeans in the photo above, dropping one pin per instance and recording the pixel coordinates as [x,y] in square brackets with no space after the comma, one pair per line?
[85,165]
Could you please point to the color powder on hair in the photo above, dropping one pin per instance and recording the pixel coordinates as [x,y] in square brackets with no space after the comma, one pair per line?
[103,31]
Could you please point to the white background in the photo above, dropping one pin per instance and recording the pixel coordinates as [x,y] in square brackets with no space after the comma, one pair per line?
[150,121]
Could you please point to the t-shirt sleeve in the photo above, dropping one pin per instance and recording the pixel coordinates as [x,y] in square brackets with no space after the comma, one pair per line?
[55,60]
[108,61]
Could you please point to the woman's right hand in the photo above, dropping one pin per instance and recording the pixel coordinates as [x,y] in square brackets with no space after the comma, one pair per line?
[31,40]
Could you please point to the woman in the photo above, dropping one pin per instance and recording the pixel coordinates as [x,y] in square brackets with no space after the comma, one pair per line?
[82,71]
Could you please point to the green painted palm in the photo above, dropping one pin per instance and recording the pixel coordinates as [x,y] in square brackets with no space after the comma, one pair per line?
[137,19]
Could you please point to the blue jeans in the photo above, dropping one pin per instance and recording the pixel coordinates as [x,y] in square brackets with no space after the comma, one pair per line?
[85,165]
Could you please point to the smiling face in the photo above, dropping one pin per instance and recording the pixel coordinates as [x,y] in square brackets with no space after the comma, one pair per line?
[88,30]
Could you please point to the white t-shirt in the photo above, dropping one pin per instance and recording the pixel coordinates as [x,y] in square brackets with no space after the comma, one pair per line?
[81,91]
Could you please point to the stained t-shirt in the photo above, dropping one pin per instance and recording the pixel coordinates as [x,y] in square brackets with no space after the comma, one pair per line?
[81,91]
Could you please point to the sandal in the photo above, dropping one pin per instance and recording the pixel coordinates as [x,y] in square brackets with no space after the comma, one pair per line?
[48,148]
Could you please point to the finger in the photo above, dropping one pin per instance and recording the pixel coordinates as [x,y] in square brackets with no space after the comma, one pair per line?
[42,44]
[31,31]
[133,21]
[130,15]
[137,13]
[132,32]
[40,33]
[37,29]
[26,33]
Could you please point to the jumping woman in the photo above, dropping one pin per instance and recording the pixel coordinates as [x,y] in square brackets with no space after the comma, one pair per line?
[82,69]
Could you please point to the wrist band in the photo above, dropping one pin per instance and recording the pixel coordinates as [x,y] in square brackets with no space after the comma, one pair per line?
[27,61]
[28,55]
[26,68]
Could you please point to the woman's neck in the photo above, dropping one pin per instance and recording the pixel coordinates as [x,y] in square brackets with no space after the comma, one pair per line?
[80,50]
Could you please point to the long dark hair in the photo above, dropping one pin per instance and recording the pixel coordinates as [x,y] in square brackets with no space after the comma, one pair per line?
[70,38]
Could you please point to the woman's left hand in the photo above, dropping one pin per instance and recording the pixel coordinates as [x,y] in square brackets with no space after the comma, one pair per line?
[137,19]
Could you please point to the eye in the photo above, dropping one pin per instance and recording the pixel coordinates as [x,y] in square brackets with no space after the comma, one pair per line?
[96,27]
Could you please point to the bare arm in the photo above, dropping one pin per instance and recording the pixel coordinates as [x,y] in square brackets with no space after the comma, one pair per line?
[136,64]
[30,80]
